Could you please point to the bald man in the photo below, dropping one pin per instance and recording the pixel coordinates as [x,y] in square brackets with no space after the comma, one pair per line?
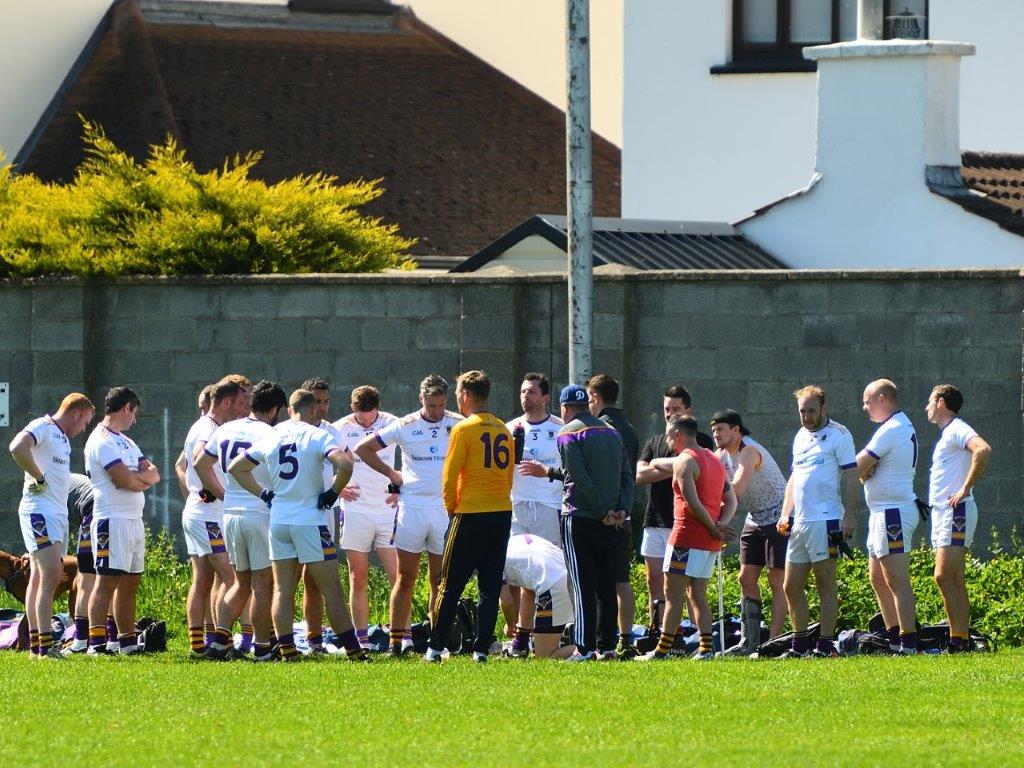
[886,466]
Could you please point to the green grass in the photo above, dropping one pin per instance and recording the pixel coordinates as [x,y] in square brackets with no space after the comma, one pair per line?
[162,710]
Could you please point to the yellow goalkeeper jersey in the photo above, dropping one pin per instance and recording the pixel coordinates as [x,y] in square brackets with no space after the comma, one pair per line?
[479,466]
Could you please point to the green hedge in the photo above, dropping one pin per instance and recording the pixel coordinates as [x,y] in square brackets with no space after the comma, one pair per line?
[163,217]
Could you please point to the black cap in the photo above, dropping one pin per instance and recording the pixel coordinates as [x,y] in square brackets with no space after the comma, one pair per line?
[730,417]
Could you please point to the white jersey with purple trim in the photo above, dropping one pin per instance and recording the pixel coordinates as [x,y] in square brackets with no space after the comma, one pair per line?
[229,440]
[104,449]
[540,443]
[424,445]
[951,462]
[52,454]
[199,434]
[533,563]
[373,486]
[819,459]
[294,457]
[894,444]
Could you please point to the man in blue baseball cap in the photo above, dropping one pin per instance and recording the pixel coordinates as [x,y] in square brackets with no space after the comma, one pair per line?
[598,492]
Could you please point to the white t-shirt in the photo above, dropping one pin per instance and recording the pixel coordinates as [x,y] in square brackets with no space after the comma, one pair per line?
[894,444]
[533,563]
[229,440]
[52,454]
[373,486]
[294,456]
[198,433]
[819,459]
[951,461]
[104,449]
[424,445]
[540,443]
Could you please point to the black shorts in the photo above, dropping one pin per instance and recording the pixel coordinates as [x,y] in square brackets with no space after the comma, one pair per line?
[83,552]
[625,553]
[763,545]
[86,564]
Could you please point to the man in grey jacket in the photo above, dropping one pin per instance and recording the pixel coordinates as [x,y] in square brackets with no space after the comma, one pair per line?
[597,494]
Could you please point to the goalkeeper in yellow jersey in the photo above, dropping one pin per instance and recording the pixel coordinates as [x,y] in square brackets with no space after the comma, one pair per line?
[477,484]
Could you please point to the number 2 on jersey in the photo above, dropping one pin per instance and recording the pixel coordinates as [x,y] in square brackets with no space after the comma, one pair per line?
[498,453]
[285,458]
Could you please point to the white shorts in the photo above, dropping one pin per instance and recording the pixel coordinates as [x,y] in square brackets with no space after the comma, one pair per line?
[40,530]
[305,543]
[421,528]
[654,542]
[808,541]
[695,563]
[119,545]
[955,526]
[247,538]
[537,519]
[890,530]
[202,537]
[365,530]
[554,608]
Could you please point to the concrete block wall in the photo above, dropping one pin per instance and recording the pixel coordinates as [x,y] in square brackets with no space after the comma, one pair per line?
[739,340]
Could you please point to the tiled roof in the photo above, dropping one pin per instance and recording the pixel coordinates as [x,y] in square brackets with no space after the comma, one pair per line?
[642,244]
[462,149]
[998,175]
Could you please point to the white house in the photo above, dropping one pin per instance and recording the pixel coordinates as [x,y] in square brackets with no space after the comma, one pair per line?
[719,103]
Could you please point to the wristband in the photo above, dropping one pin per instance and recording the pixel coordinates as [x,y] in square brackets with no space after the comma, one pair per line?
[207,497]
[267,496]
[326,499]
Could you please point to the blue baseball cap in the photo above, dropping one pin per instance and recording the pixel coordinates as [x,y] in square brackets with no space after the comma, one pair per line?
[573,394]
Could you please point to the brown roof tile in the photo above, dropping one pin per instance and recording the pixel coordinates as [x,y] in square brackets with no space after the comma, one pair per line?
[463,150]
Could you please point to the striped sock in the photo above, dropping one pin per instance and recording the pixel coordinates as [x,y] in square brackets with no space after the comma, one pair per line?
[363,635]
[33,641]
[222,637]
[407,635]
[666,641]
[45,643]
[195,639]
[395,637]
[247,633]
[209,630]
[801,642]
[521,642]
[706,645]
[111,629]
[97,635]
[286,646]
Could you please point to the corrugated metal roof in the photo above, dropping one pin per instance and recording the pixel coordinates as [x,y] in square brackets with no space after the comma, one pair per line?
[642,244]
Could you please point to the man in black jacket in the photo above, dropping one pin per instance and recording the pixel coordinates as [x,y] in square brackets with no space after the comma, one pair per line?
[597,495]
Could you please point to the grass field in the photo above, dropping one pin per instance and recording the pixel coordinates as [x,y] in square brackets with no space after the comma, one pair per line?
[162,710]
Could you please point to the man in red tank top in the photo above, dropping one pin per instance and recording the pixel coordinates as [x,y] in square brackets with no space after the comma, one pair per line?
[703,505]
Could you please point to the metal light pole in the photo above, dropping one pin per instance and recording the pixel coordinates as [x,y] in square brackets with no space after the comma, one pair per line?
[870,19]
[579,193]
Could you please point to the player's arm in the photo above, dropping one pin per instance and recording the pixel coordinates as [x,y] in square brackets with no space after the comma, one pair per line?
[647,474]
[866,464]
[126,479]
[180,470]
[342,474]
[851,495]
[241,469]
[205,462]
[685,473]
[367,449]
[147,471]
[729,505]
[21,450]
[981,451]
[454,461]
[787,508]
[745,471]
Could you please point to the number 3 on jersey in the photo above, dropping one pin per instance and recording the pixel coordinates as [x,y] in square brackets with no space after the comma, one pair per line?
[498,453]
[289,464]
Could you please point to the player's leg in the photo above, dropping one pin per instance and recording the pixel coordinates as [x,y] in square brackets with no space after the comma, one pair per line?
[795,589]
[229,608]
[752,563]
[262,620]
[775,556]
[697,592]
[47,567]
[490,567]
[358,584]
[895,570]
[313,612]
[286,581]
[400,607]
[624,592]
[609,561]
[437,522]
[581,561]
[950,565]
[100,606]
[825,582]
[86,583]
[31,596]
[195,604]
[885,600]
[224,581]
[124,612]
[674,590]
[511,600]
[465,537]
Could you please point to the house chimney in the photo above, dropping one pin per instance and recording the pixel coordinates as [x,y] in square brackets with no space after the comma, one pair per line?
[887,109]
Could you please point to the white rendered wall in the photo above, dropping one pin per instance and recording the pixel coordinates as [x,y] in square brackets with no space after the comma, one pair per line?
[698,146]
[41,40]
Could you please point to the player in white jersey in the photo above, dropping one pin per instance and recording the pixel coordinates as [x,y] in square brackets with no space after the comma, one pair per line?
[537,567]
[760,489]
[959,460]
[246,523]
[42,449]
[886,466]
[120,475]
[299,536]
[816,518]
[202,515]
[422,518]
[370,510]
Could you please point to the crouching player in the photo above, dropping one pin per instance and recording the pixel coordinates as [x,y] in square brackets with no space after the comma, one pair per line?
[294,458]
[537,566]
[703,505]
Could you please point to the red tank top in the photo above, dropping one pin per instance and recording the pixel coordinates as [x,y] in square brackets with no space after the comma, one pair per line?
[687,530]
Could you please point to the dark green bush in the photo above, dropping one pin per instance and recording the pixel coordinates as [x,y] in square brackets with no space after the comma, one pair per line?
[163,217]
